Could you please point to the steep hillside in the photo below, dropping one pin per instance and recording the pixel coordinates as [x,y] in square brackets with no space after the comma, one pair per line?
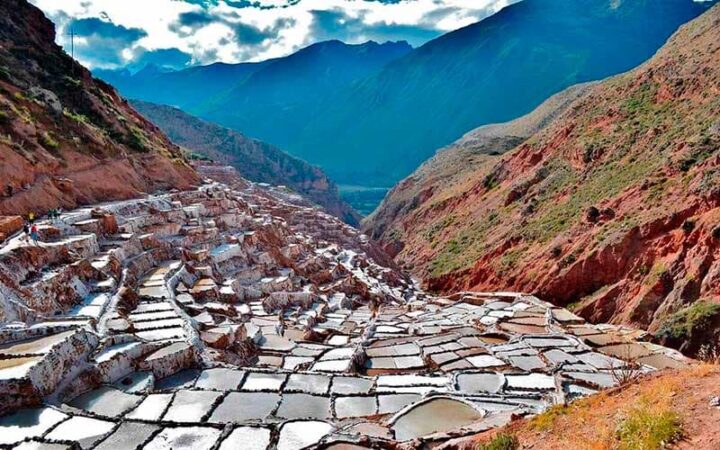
[453,168]
[270,100]
[614,208]
[66,138]
[489,72]
[255,160]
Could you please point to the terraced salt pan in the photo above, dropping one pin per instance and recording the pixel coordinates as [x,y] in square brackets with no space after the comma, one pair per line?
[247,438]
[411,380]
[190,438]
[151,408]
[220,379]
[480,382]
[257,381]
[314,384]
[392,403]
[433,415]
[34,346]
[191,406]
[355,406]
[28,423]
[106,401]
[239,407]
[485,361]
[340,365]
[84,430]
[531,381]
[128,435]
[298,435]
[304,406]
[15,368]
[351,385]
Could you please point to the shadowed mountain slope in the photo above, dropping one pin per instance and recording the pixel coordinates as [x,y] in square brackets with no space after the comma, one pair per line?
[254,160]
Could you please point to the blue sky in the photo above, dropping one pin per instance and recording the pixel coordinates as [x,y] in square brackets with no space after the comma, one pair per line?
[180,33]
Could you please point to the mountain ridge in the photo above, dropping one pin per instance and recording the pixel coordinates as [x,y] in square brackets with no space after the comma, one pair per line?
[254,160]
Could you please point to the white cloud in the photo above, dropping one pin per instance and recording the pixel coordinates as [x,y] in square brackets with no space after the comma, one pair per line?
[220,30]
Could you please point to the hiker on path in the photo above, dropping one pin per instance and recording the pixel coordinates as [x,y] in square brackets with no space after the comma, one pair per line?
[373,307]
[280,327]
[26,231]
[34,234]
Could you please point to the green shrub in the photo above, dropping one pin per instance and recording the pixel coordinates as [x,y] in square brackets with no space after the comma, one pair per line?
[647,428]
[695,319]
[502,441]
[75,116]
[4,73]
[136,140]
[47,141]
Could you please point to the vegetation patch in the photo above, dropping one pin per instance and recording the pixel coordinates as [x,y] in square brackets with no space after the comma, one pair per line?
[647,427]
[546,420]
[75,116]
[465,247]
[502,441]
[437,227]
[696,319]
[136,140]
[48,141]
[195,156]
[509,260]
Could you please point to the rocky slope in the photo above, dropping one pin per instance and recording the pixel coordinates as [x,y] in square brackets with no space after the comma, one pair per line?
[66,138]
[255,160]
[452,168]
[613,208]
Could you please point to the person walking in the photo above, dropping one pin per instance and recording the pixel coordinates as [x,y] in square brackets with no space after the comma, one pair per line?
[280,327]
[34,234]
[26,232]
[373,307]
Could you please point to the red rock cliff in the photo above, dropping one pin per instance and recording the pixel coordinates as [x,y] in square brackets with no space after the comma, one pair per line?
[66,138]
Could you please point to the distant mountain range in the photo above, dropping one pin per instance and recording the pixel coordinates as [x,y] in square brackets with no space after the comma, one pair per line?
[254,160]
[370,114]
[270,100]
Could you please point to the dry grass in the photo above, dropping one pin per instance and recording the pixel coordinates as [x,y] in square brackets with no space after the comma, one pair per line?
[647,426]
[608,421]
